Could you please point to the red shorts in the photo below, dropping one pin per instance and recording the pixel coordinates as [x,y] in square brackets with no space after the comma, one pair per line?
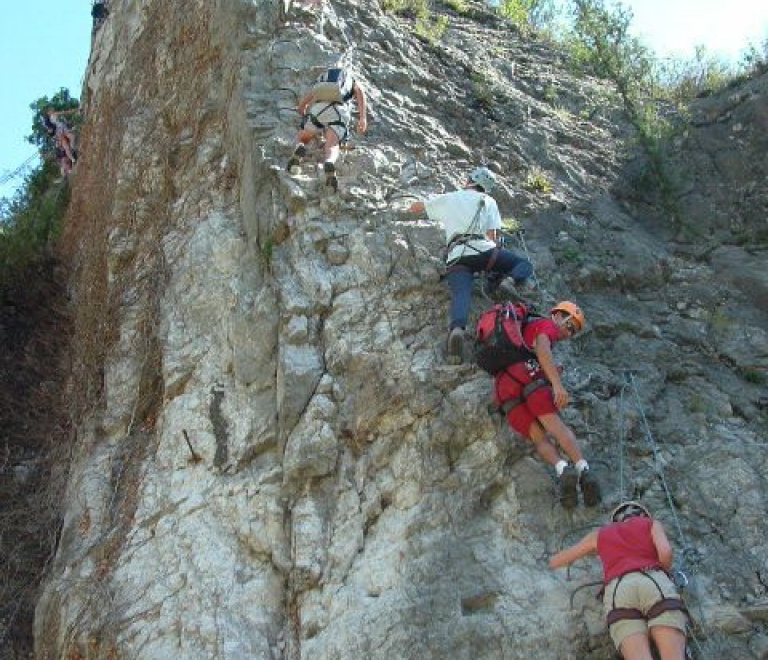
[539,402]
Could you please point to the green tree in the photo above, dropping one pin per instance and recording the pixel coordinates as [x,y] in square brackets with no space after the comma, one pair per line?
[529,14]
[600,39]
[31,221]
[682,80]
[603,42]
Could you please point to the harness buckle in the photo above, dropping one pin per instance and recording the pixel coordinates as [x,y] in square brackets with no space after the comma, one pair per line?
[680,579]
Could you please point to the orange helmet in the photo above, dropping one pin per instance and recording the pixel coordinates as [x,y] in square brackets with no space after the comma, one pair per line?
[573,311]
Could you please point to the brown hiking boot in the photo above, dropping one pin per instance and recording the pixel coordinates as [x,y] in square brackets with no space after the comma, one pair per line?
[590,488]
[330,176]
[456,344]
[568,483]
[298,153]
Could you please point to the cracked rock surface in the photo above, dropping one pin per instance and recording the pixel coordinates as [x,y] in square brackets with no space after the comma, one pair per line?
[273,459]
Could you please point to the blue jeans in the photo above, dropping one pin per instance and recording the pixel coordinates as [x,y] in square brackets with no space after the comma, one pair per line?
[460,277]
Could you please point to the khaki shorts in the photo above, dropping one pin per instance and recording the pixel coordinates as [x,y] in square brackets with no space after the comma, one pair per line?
[641,591]
[329,115]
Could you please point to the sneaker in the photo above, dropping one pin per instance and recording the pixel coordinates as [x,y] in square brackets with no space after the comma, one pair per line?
[501,290]
[590,488]
[330,176]
[456,343]
[568,483]
[508,290]
[298,153]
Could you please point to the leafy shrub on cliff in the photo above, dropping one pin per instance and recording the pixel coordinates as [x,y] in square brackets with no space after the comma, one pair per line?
[528,15]
[755,58]
[428,27]
[599,39]
[682,80]
[409,8]
[31,221]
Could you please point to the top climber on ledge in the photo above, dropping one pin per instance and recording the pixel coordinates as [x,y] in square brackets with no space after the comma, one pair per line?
[325,110]
[99,13]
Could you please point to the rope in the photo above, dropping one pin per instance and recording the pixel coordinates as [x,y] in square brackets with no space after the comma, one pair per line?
[658,467]
[622,441]
[659,470]
[18,170]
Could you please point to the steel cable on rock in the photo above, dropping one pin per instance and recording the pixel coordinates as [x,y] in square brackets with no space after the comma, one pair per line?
[18,170]
[680,576]
[622,441]
[658,466]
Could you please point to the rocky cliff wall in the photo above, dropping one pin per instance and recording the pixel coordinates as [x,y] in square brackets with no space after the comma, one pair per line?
[273,459]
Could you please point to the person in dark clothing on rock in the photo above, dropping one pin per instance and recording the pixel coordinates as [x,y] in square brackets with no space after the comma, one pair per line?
[99,13]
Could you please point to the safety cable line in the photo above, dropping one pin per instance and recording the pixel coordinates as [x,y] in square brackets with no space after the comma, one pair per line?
[659,470]
[18,170]
[658,466]
[622,441]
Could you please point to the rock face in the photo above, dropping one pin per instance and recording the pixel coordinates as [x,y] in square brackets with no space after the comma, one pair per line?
[273,459]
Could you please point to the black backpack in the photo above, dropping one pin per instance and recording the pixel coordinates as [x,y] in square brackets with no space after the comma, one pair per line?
[499,341]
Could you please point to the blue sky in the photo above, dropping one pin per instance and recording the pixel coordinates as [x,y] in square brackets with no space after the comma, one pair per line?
[676,27]
[44,45]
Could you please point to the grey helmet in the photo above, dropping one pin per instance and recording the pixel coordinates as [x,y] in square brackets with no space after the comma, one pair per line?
[629,509]
[483,177]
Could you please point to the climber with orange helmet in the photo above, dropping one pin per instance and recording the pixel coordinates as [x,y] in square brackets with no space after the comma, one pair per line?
[471,221]
[640,600]
[529,393]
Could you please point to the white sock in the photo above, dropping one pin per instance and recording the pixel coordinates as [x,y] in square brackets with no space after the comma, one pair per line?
[560,466]
[582,465]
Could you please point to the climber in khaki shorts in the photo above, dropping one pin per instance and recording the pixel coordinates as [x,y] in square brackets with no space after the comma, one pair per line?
[640,600]
[325,110]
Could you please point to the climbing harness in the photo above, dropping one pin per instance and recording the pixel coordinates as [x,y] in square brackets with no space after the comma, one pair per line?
[313,118]
[664,604]
[503,409]
[465,237]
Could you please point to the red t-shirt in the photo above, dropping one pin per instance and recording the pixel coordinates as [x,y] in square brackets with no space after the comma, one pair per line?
[508,384]
[626,546]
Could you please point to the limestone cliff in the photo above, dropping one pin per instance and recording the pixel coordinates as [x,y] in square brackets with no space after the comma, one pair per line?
[273,459]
